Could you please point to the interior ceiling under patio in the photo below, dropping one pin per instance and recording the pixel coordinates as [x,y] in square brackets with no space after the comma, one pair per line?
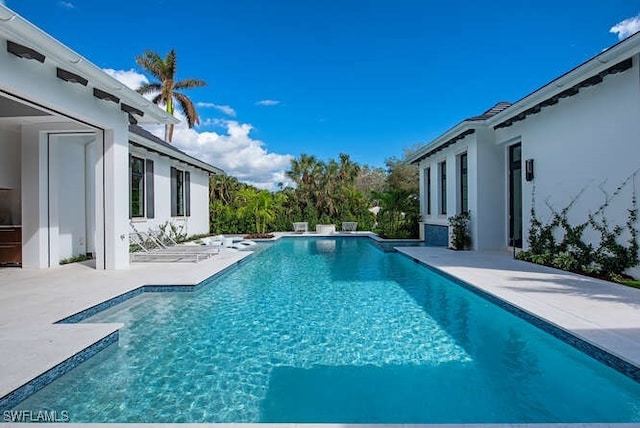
[16,112]
[11,108]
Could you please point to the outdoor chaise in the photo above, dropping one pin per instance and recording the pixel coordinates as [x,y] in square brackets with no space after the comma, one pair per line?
[349,226]
[300,227]
[146,251]
[204,245]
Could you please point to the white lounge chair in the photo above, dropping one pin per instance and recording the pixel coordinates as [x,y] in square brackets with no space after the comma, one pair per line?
[144,249]
[349,226]
[300,227]
[168,243]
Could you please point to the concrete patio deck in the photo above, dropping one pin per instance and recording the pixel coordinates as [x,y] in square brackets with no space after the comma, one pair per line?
[31,301]
[602,313]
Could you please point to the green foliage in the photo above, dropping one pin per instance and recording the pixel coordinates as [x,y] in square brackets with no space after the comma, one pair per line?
[329,192]
[606,258]
[398,215]
[75,259]
[460,233]
[167,89]
[173,231]
[631,283]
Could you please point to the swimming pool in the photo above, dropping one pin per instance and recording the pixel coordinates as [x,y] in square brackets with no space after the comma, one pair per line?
[334,330]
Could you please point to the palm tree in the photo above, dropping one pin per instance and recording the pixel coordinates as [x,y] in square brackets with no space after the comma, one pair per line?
[259,205]
[167,89]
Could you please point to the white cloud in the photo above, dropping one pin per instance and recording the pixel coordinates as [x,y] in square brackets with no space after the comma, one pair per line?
[228,110]
[627,27]
[235,152]
[130,78]
[66,4]
[267,103]
[231,149]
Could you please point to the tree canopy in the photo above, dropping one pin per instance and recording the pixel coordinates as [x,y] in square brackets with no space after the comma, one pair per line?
[167,89]
[324,192]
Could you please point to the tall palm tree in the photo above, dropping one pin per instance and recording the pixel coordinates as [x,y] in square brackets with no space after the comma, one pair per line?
[167,89]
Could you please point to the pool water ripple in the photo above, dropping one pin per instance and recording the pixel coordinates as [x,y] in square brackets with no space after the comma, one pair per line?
[334,330]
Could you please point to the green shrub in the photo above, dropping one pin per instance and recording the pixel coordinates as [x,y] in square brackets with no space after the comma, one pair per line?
[460,233]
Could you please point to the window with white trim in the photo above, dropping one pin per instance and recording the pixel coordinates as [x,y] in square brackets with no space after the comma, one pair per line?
[442,170]
[464,182]
[427,189]
[180,193]
[141,192]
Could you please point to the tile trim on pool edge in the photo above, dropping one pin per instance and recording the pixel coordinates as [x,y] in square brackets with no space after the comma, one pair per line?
[36,384]
[607,358]
[148,288]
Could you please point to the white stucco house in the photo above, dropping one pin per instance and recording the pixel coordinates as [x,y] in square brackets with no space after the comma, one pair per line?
[577,135]
[75,169]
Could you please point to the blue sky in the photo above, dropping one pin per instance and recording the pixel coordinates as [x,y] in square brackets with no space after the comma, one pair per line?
[368,78]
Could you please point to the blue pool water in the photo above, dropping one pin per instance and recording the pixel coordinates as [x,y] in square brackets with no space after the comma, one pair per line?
[334,330]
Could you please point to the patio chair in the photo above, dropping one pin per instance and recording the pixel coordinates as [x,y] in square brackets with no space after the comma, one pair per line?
[349,226]
[300,227]
[168,243]
[143,249]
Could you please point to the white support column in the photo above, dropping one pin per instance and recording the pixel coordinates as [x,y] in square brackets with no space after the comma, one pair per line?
[99,206]
[35,241]
[116,199]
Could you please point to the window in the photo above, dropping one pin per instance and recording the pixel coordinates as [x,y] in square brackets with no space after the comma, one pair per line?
[442,166]
[180,193]
[427,189]
[141,187]
[464,184]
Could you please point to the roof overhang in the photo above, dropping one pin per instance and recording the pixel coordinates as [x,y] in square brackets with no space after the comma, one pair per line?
[18,30]
[173,153]
[616,59]
[452,136]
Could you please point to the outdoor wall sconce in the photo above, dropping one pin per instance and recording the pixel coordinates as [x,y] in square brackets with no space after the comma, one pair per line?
[68,76]
[24,52]
[98,93]
[528,169]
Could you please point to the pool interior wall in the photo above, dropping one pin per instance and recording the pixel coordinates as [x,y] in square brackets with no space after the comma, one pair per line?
[281,376]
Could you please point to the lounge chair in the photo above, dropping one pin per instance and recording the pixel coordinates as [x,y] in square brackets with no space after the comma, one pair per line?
[168,243]
[143,249]
[349,226]
[300,227]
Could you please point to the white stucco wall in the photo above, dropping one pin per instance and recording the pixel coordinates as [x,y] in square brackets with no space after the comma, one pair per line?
[77,103]
[451,156]
[69,201]
[198,222]
[587,143]
[489,192]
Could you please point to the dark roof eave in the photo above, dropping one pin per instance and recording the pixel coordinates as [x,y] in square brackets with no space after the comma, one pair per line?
[593,80]
[459,136]
[141,132]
